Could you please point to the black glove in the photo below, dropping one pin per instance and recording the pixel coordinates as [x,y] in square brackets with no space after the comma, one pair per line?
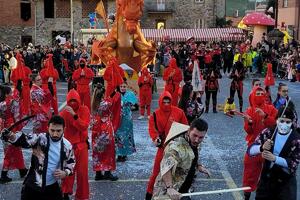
[5,134]
[19,86]
[50,86]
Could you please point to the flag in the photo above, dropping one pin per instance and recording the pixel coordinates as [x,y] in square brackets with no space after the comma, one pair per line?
[196,78]
[101,11]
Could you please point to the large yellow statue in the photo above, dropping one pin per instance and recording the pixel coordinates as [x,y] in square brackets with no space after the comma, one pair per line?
[125,41]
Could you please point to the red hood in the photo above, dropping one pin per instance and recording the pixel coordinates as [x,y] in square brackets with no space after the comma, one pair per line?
[173,63]
[145,72]
[73,94]
[252,94]
[163,95]
[82,60]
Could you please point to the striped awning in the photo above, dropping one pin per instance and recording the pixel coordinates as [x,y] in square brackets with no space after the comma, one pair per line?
[205,34]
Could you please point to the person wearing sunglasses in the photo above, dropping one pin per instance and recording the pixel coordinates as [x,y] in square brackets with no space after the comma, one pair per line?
[280,147]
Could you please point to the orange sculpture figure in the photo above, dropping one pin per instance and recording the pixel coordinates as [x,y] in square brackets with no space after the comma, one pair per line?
[126,41]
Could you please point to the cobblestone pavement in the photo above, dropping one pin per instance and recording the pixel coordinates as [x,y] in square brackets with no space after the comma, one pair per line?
[222,153]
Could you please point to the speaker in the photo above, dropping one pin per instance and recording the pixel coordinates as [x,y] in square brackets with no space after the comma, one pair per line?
[26,11]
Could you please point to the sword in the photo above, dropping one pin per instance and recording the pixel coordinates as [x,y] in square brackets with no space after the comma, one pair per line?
[6,131]
[205,193]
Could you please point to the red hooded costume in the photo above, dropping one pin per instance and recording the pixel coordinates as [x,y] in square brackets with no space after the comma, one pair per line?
[269,80]
[10,109]
[173,77]
[76,131]
[113,76]
[83,77]
[253,165]
[159,126]
[50,72]
[145,83]
[22,73]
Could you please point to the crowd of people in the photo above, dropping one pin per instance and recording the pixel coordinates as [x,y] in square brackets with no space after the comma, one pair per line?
[60,140]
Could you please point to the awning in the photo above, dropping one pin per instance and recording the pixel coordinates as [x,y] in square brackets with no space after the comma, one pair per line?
[206,34]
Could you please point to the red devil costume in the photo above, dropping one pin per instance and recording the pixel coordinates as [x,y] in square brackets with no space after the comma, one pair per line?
[269,81]
[145,83]
[83,76]
[41,100]
[267,119]
[76,131]
[21,80]
[159,125]
[173,77]
[113,76]
[49,72]
[13,157]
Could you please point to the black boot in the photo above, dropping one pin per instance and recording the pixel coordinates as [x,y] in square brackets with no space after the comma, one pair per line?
[215,109]
[206,109]
[247,195]
[109,176]
[99,176]
[4,178]
[148,196]
[66,196]
[23,172]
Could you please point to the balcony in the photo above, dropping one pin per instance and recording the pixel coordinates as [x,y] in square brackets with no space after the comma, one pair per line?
[159,8]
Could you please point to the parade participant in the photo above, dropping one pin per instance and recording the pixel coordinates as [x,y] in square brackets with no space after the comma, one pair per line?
[282,96]
[257,117]
[159,125]
[20,77]
[172,76]
[269,81]
[237,75]
[211,76]
[180,160]
[83,76]
[52,159]
[40,105]
[77,119]
[9,114]
[113,75]
[145,83]
[190,103]
[281,150]
[255,83]
[124,136]
[228,59]
[103,139]
[229,107]
[49,77]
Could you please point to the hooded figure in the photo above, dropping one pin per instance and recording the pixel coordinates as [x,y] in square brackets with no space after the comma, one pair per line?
[269,80]
[20,77]
[49,77]
[173,77]
[113,75]
[145,83]
[258,117]
[83,76]
[159,125]
[77,120]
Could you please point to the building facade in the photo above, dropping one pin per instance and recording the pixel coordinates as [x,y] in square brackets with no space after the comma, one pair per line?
[40,21]
[289,16]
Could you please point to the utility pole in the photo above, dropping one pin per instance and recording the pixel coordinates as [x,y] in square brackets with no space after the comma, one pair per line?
[72,19]
[35,20]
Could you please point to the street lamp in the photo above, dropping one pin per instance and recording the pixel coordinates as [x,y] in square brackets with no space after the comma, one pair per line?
[72,28]
[35,20]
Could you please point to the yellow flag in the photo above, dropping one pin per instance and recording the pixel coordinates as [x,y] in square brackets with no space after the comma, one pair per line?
[101,10]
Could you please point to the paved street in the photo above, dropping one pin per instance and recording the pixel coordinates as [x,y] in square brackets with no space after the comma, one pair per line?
[222,153]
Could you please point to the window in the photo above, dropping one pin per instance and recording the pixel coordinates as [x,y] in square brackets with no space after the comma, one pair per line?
[25,10]
[199,1]
[199,23]
[160,24]
[161,4]
[285,3]
[49,8]
[26,39]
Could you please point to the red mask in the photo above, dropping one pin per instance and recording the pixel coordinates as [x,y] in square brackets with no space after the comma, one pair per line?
[74,105]
[259,100]
[166,107]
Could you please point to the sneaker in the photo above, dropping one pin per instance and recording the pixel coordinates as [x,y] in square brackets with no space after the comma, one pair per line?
[109,176]
[215,110]
[140,117]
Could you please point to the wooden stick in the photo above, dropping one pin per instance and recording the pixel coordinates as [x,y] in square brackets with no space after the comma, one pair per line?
[205,193]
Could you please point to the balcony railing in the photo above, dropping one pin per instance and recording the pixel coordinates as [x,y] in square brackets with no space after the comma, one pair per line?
[155,7]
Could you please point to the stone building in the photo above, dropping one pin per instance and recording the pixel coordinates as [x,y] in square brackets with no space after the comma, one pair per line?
[23,21]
